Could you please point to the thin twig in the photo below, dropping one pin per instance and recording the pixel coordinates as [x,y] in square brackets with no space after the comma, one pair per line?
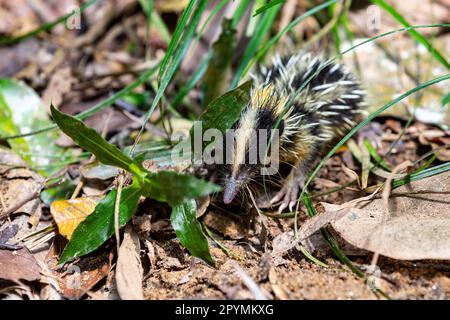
[117,211]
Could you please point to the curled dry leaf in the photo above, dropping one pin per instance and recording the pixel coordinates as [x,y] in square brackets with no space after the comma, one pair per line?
[129,270]
[68,214]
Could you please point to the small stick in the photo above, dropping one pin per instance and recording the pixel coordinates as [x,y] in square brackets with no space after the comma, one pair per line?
[116,212]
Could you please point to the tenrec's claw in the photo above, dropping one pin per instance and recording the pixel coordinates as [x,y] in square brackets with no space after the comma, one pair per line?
[289,194]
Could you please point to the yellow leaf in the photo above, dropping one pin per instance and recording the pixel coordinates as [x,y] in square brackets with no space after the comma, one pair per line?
[69,213]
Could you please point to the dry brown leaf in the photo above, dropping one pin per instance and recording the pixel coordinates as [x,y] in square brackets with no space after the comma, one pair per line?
[352,174]
[281,244]
[129,270]
[332,212]
[418,226]
[19,186]
[18,265]
[76,279]
[60,83]
[68,214]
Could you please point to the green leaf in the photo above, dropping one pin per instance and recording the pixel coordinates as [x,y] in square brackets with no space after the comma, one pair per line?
[175,188]
[214,81]
[189,230]
[445,100]
[224,111]
[99,225]
[90,140]
[21,109]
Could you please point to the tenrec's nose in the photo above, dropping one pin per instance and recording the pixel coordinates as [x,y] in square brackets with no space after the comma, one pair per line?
[231,189]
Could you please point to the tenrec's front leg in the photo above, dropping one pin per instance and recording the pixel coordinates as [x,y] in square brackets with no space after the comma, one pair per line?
[288,195]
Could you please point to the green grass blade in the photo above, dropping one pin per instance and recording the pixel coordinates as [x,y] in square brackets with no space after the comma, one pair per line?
[330,240]
[210,16]
[214,82]
[445,100]
[181,25]
[335,29]
[416,35]
[307,254]
[227,251]
[161,26]
[195,78]
[422,174]
[176,59]
[262,27]
[268,6]
[202,67]
[239,13]
[289,27]
[388,33]
[147,7]
[374,154]
[44,27]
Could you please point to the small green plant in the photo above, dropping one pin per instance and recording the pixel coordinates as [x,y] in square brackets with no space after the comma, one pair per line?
[177,190]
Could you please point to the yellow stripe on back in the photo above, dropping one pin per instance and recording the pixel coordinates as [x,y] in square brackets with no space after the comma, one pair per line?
[266,96]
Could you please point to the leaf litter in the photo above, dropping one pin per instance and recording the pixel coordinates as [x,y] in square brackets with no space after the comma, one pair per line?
[272,264]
